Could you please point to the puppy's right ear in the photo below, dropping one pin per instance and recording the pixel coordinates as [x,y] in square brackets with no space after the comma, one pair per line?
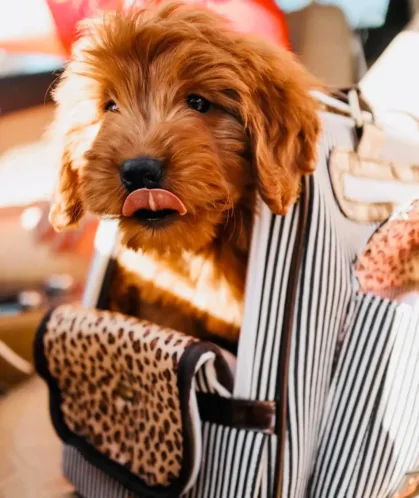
[281,118]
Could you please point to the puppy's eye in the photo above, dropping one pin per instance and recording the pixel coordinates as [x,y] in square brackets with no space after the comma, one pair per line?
[111,106]
[198,103]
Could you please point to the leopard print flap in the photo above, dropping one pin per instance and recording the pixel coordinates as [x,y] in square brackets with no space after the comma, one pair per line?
[389,264]
[121,392]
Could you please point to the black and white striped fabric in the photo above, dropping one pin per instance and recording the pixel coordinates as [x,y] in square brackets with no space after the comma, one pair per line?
[370,433]
[89,481]
[325,291]
[352,428]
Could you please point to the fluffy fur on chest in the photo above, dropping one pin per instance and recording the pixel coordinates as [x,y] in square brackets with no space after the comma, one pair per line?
[200,294]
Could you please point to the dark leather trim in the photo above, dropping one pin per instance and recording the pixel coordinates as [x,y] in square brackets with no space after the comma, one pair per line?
[103,299]
[285,348]
[239,413]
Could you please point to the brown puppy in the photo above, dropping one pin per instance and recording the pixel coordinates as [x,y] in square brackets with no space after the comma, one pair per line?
[171,122]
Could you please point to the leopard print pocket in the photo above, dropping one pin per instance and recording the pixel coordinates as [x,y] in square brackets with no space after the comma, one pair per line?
[389,265]
[122,392]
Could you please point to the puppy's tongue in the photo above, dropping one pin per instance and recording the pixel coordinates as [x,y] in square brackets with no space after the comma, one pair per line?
[155,199]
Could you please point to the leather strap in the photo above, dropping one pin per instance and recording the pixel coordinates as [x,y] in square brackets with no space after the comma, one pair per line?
[343,95]
[285,348]
[238,413]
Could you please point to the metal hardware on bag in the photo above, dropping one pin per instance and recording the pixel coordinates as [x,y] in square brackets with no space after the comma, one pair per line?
[353,99]
[124,390]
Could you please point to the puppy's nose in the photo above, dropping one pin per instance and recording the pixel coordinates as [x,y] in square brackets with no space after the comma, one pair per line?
[141,172]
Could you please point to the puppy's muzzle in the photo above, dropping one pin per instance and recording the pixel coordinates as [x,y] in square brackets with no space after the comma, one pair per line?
[141,172]
[147,201]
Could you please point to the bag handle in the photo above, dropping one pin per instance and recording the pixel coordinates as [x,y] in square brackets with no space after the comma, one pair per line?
[348,102]
[351,103]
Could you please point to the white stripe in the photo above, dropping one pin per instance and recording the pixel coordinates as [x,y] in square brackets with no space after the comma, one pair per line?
[245,357]
[264,329]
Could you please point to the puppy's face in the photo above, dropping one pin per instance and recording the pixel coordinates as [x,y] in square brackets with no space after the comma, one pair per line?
[170,121]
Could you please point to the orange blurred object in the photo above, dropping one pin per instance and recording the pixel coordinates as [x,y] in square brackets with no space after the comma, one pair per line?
[50,26]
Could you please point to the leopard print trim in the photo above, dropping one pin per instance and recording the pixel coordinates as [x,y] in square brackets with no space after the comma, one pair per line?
[117,378]
[390,259]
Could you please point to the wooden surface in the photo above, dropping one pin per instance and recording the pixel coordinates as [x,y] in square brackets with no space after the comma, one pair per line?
[30,451]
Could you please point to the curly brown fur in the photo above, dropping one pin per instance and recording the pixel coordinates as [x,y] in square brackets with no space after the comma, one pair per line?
[260,135]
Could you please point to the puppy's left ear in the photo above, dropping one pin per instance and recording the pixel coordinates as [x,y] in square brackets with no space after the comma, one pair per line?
[66,207]
[67,134]
[282,122]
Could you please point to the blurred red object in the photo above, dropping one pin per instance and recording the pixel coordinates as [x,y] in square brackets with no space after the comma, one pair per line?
[258,17]
[68,13]
[50,26]
[261,17]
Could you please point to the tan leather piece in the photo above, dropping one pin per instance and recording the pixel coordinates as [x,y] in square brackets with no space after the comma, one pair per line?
[30,451]
[343,162]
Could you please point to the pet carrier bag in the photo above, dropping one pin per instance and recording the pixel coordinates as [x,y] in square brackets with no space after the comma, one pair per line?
[322,400]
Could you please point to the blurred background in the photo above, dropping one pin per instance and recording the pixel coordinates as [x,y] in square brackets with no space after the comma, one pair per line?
[370,43]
